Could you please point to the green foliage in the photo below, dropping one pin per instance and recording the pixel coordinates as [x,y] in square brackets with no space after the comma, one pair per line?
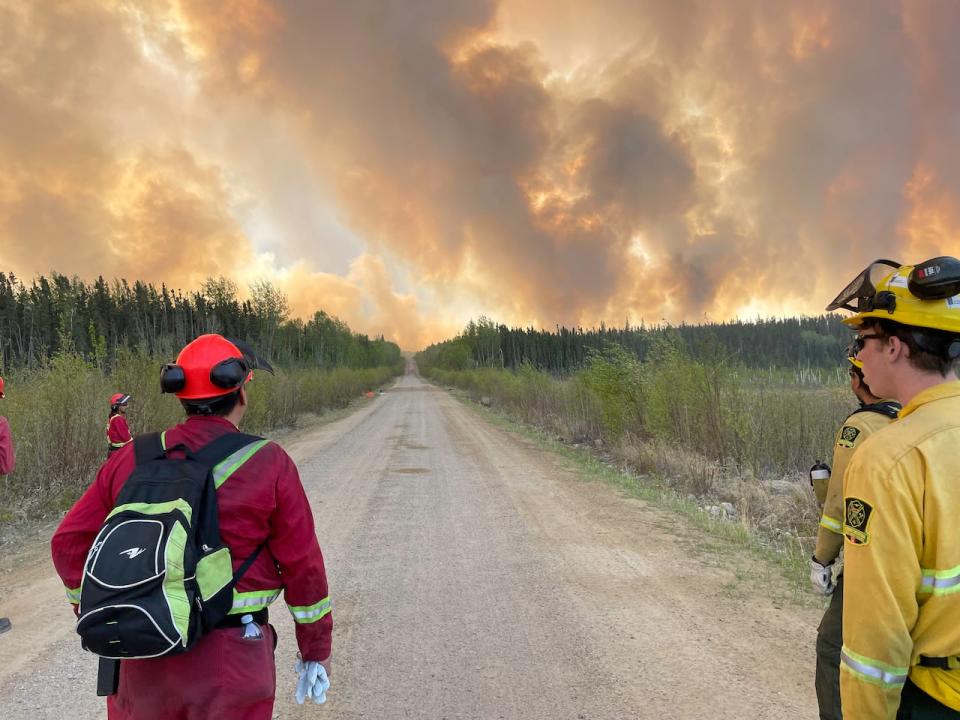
[696,403]
[58,429]
[689,387]
[454,355]
[803,342]
[706,425]
[614,378]
[58,415]
[66,346]
[98,321]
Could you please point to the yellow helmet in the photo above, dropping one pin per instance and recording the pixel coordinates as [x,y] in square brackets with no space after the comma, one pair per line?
[851,353]
[926,295]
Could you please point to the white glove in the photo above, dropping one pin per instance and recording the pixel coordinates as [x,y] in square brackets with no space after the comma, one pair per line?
[313,682]
[821,577]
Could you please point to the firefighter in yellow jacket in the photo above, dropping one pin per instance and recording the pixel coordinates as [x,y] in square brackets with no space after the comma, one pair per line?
[901,621]
[826,565]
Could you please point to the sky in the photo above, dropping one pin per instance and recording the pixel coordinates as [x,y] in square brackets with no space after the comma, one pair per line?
[408,165]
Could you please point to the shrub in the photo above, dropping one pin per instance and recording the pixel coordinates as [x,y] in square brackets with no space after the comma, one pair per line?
[712,429]
[58,415]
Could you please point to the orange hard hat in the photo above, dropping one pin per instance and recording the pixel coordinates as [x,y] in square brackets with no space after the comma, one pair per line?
[209,367]
[119,399]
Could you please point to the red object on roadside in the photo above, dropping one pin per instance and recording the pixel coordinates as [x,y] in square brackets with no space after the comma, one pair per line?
[8,457]
[118,432]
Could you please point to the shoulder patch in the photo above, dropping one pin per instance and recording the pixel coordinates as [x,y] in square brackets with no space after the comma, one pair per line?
[848,436]
[856,520]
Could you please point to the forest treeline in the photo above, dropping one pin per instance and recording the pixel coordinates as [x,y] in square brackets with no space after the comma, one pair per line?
[67,346]
[60,313]
[789,343]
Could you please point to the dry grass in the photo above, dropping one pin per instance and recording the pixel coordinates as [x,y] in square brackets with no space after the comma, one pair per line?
[58,416]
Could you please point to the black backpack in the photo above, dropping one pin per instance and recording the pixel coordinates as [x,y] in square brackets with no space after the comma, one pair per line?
[157,577]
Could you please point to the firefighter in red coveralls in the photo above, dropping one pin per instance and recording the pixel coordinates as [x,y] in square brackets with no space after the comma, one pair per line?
[8,460]
[118,433]
[229,674]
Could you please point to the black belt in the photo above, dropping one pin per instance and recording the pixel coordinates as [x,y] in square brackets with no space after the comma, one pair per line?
[944,663]
[260,617]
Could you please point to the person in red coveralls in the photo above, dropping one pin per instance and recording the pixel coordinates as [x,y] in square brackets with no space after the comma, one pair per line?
[118,433]
[8,460]
[230,673]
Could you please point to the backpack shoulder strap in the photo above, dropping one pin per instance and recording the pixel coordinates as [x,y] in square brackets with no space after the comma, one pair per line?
[148,447]
[246,565]
[209,456]
[223,447]
[888,408]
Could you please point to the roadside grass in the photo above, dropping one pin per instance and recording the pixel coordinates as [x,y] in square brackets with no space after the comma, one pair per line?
[776,567]
[701,435]
[58,415]
[17,531]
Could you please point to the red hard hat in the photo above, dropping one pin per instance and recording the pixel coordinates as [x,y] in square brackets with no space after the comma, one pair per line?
[209,367]
[119,399]
[1,388]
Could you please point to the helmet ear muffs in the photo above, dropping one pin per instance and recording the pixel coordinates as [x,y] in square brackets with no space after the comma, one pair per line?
[172,378]
[935,279]
[229,373]
[953,350]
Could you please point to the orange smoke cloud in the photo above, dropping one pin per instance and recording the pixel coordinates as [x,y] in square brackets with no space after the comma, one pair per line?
[541,163]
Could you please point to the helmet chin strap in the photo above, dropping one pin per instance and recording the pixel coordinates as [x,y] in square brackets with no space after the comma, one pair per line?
[203,409]
[207,407]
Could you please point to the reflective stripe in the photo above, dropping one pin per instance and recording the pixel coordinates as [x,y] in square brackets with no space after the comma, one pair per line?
[118,444]
[310,613]
[228,467]
[252,601]
[832,525]
[156,508]
[940,582]
[873,671]
[73,594]
[163,440]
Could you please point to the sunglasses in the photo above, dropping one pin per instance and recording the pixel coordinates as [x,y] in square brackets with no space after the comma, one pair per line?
[861,340]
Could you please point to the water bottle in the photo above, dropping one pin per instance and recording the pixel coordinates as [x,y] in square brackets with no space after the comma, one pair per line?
[251,631]
[819,480]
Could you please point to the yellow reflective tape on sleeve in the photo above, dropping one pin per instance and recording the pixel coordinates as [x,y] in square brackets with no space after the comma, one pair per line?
[305,614]
[118,444]
[73,594]
[940,582]
[831,524]
[228,467]
[873,671]
[246,602]
[163,440]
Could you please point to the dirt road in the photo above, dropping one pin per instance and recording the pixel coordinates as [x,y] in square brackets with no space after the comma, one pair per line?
[474,576]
